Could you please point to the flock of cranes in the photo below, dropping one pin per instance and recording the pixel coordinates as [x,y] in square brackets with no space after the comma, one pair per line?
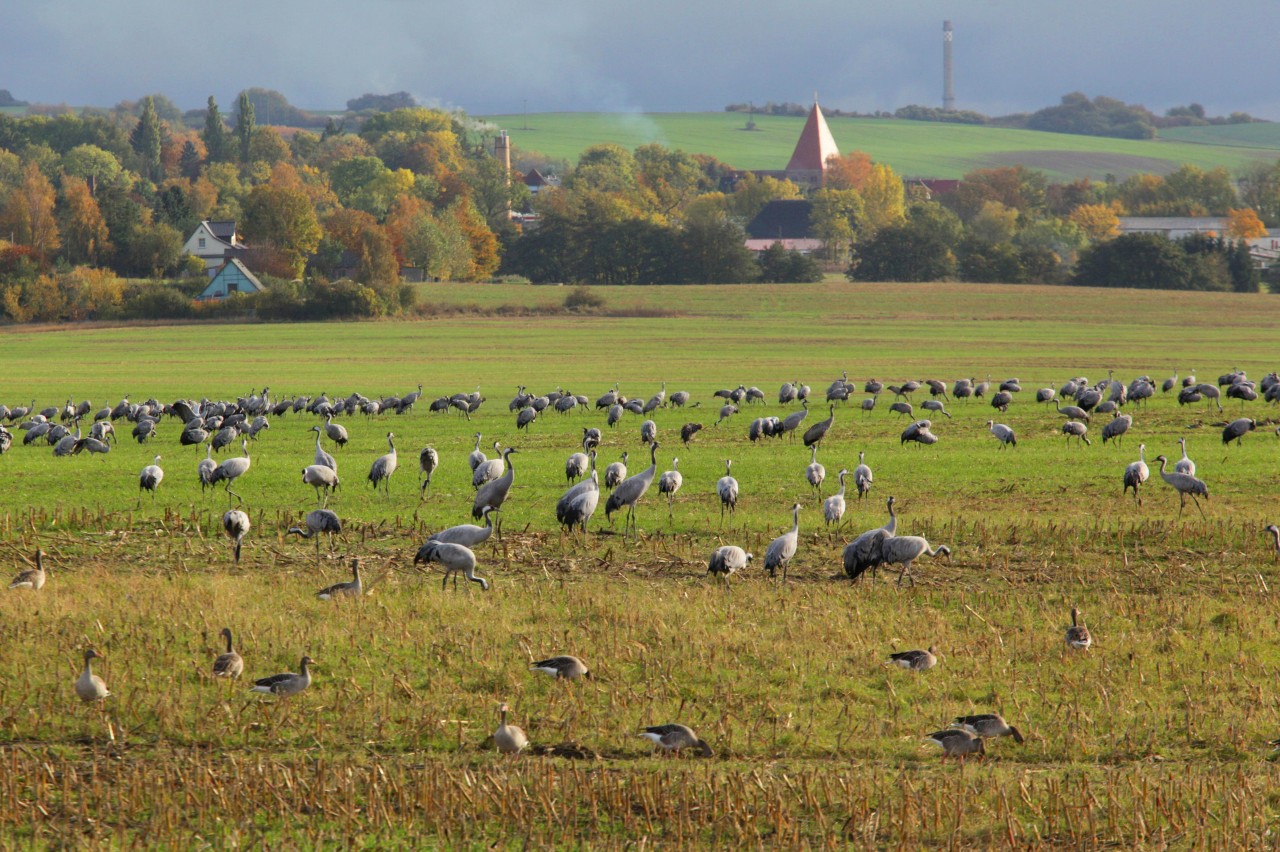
[218,425]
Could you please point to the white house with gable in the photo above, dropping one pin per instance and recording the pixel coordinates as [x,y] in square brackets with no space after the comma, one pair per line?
[215,242]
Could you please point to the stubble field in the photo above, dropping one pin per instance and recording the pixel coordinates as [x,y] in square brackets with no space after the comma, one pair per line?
[1156,735]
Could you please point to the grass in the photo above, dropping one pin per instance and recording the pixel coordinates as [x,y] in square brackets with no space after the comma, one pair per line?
[1156,736]
[914,149]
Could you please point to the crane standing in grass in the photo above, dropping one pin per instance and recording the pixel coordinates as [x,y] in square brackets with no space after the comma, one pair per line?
[631,489]
[384,466]
[1184,484]
[783,548]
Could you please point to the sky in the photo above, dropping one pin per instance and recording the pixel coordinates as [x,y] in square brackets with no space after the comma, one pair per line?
[500,56]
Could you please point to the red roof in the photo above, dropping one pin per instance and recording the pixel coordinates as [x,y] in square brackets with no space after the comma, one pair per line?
[815,146]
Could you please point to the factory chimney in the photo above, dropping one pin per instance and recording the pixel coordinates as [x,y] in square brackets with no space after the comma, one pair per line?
[948,90]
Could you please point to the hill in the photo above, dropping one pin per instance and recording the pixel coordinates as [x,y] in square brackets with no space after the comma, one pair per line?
[914,149]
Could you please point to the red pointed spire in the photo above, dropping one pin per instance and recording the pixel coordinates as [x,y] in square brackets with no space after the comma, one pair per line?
[816,144]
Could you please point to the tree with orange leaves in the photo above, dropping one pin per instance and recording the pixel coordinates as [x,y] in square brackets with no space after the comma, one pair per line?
[28,212]
[1244,224]
[1097,221]
[847,171]
[84,230]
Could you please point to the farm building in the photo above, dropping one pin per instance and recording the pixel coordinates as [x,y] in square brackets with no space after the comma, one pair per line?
[214,242]
[232,277]
[1264,250]
[785,221]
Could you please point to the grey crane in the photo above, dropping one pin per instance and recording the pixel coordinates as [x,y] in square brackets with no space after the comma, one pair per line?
[726,411]
[591,438]
[1184,484]
[150,478]
[1046,395]
[235,524]
[232,469]
[1116,429]
[576,506]
[727,490]
[936,405]
[468,535]
[428,461]
[143,430]
[648,432]
[815,473]
[657,400]
[936,388]
[1136,473]
[384,466]
[919,433]
[354,588]
[678,399]
[865,552]
[901,407]
[669,483]
[575,467]
[1169,383]
[962,388]
[1003,434]
[728,560]
[1236,430]
[322,457]
[815,433]
[862,476]
[1210,392]
[794,419]
[869,403]
[1271,528]
[494,494]
[833,506]
[687,432]
[787,393]
[490,469]
[783,548]
[616,472]
[318,522]
[629,492]
[321,478]
[336,431]
[477,456]
[1001,400]
[906,549]
[66,445]
[205,469]
[526,416]
[1076,429]
[1184,464]
[873,386]
[454,558]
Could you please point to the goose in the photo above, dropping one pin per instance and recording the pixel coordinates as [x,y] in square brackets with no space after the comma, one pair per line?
[150,478]
[89,686]
[727,489]
[321,456]
[987,725]
[672,738]
[235,524]
[564,667]
[815,473]
[428,461]
[782,548]
[228,664]
[957,742]
[1077,635]
[287,683]
[384,466]
[669,483]
[468,535]
[916,661]
[728,560]
[354,588]
[33,578]
[862,476]
[833,506]
[1136,473]
[509,738]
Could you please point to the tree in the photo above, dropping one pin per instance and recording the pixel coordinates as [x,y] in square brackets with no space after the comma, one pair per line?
[883,200]
[92,163]
[988,262]
[1098,221]
[85,237]
[284,220]
[669,179]
[1016,187]
[715,252]
[1244,224]
[155,250]
[920,249]
[752,193]
[1146,261]
[994,223]
[268,147]
[483,244]
[847,171]
[28,213]
[244,126]
[146,140]
[782,266]
[1260,190]
[215,134]
[189,161]
[836,217]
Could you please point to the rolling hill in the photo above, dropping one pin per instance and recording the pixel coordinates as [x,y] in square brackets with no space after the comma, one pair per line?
[914,149]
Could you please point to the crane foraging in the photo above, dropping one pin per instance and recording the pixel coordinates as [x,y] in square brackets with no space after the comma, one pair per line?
[728,560]
[455,558]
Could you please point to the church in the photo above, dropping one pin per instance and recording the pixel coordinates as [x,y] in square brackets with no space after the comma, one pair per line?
[807,167]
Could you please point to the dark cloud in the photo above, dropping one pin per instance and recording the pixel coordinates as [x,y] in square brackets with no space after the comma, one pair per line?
[663,55]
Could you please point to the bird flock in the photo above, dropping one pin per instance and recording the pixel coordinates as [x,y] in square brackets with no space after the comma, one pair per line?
[219,424]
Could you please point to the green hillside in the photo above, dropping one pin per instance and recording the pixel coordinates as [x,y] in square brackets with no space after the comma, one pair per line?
[914,149]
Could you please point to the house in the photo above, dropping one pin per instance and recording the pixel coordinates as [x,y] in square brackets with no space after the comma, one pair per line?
[214,242]
[1264,250]
[785,221]
[231,277]
[537,182]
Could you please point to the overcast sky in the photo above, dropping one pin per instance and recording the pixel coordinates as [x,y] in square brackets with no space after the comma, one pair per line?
[494,56]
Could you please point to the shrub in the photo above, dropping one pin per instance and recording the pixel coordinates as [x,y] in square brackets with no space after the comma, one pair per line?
[583,298]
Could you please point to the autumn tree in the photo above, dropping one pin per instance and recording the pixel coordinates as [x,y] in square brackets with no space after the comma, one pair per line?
[284,220]
[361,235]
[28,213]
[884,200]
[668,179]
[1244,224]
[85,238]
[215,134]
[847,171]
[1097,221]
[483,244]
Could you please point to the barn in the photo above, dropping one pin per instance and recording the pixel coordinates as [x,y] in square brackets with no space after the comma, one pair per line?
[232,277]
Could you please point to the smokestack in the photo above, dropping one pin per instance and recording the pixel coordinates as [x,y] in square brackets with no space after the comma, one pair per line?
[948,90]
[502,153]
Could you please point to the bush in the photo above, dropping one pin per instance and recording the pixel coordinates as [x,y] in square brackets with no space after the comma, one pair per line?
[583,298]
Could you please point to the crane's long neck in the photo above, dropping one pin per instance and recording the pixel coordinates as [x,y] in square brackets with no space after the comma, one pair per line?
[795,519]
[842,483]
[228,635]
[813,454]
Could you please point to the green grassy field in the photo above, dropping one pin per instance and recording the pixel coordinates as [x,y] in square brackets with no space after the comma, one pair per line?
[1156,736]
[914,149]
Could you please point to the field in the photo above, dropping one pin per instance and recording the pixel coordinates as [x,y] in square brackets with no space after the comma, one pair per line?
[1156,736]
[914,149]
